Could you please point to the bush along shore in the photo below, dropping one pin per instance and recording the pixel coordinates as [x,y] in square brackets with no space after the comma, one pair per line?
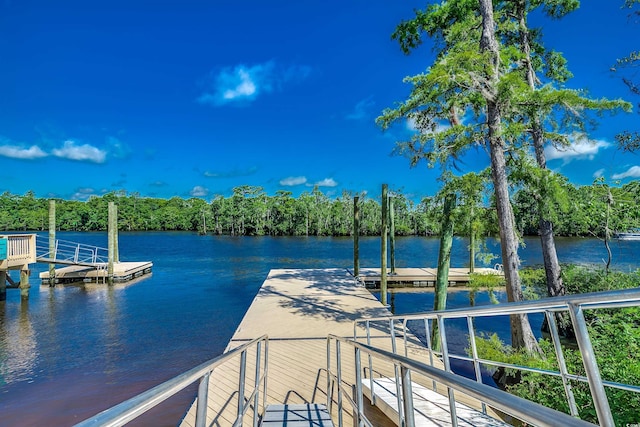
[615,336]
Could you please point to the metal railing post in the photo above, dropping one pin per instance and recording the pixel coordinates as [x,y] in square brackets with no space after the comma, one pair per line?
[201,408]
[373,395]
[266,372]
[358,396]
[447,366]
[427,331]
[562,366]
[474,354]
[256,397]
[407,395]
[329,389]
[404,327]
[591,366]
[339,380]
[396,370]
[243,368]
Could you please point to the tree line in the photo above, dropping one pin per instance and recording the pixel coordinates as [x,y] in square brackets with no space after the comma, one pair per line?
[249,211]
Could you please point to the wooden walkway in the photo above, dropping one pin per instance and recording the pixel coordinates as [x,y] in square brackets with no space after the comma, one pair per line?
[122,272]
[297,309]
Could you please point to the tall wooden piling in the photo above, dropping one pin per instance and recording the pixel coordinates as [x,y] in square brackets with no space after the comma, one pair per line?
[112,240]
[52,242]
[3,285]
[472,243]
[356,236]
[392,235]
[24,283]
[383,245]
[444,254]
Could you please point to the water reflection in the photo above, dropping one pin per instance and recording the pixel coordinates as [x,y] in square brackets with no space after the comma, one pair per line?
[18,345]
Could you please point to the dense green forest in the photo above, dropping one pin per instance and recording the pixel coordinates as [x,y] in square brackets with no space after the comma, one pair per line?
[582,211]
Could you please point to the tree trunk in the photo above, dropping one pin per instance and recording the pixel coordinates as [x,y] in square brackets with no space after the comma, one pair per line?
[555,287]
[521,333]
[444,254]
[444,262]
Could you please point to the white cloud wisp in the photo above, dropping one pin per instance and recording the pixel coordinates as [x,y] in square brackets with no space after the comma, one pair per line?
[292,181]
[242,84]
[84,152]
[16,152]
[581,149]
[632,172]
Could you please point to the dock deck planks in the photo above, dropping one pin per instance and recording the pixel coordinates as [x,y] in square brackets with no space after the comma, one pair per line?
[420,276]
[122,272]
[297,309]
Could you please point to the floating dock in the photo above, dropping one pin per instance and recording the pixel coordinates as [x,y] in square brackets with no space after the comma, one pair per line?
[297,309]
[122,272]
[420,277]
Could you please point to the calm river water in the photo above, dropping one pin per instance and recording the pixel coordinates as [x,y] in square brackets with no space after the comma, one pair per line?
[72,351]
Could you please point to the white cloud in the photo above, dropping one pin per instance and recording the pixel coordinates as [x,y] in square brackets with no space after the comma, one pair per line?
[244,84]
[15,152]
[83,152]
[632,172]
[83,193]
[361,110]
[599,173]
[199,191]
[293,181]
[327,182]
[580,149]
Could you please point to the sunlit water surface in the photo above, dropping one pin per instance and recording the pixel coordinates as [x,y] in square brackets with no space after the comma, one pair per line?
[70,352]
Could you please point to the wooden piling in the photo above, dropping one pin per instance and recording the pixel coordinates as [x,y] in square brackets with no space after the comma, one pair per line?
[356,236]
[472,243]
[112,239]
[3,285]
[52,242]
[444,254]
[383,245]
[392,235]
[24,283]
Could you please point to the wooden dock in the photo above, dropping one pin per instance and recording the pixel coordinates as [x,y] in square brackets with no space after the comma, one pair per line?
[122,272]
[297,309]
[420,277]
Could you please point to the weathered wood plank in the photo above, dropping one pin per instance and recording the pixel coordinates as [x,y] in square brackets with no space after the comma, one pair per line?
[297,309]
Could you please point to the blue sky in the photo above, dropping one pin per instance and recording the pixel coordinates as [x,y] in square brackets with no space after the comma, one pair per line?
[193,98]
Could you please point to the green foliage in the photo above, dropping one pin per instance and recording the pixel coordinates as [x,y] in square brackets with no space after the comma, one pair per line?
[608,329]
[249,211]
[478,281]
[579,211]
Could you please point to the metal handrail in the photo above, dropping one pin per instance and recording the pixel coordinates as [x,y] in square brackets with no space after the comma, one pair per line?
[73,252]
[130,409]
[574,304]
[523,409]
